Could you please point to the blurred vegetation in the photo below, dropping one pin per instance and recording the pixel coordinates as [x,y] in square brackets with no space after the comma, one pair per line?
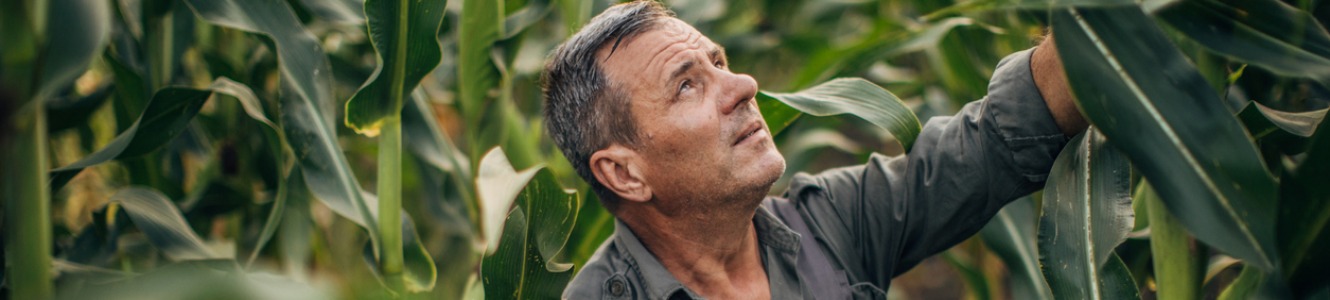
[159,149]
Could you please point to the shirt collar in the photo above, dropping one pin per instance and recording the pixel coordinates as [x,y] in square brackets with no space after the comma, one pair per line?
[661,284]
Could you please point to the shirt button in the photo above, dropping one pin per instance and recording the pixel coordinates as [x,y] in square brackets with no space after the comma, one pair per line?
[616,288]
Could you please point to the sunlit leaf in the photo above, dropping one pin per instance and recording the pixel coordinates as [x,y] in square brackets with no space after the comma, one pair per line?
[159,219]
[497,186]
[1261,120]
[1086,213]
[525,265]
[1133,85]
[854,96]
[405,38]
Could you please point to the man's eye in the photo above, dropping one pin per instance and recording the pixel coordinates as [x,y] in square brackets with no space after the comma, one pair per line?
[685,85]
[720,64]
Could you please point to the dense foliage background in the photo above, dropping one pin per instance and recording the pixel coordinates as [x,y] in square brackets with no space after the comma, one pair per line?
[313,149]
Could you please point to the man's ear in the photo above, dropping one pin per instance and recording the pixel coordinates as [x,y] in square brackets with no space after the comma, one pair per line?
[619,169]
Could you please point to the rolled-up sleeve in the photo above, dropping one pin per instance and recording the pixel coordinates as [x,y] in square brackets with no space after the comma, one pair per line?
[881,218]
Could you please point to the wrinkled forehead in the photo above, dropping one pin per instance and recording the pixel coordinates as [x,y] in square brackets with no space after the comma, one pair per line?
[642,57]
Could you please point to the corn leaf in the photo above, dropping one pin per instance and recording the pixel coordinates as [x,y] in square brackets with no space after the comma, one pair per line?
[1140,92]
[1304,216]
[1265,33]
[854,96]
[1011,234]
[405,38]
[481,25]
[1086,213]
[167,114]
[160,220]
[524,265]
[497,186]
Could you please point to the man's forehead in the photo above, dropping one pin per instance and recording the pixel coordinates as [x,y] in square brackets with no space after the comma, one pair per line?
[667,32]
[641,57]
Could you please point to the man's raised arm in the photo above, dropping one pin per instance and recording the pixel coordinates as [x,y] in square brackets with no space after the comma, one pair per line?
[887,215]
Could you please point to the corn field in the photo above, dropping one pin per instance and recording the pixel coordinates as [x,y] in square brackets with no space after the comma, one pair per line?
[380,149]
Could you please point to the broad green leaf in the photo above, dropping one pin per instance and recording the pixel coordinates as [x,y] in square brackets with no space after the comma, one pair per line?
[76,32]
[525,264]
[405,35]
[159,219]
[1011,235]
[480,26]
[843,96]
[306,96]
[1086,213]
[306,86]
[497,186]
[856,59]
[1176,266]
[1133,85]
[1266,33]
[167,114]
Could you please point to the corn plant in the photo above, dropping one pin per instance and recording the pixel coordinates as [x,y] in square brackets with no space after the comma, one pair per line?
[165,149]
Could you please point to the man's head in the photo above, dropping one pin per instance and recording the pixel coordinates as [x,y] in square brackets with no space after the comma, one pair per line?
[647,111]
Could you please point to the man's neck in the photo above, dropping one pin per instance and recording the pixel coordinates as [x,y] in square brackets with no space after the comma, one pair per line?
[715,253]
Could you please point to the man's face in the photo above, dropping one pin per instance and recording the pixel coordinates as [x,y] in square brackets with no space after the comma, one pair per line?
[701,136]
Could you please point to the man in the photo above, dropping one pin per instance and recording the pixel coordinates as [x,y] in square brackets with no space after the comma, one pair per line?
[671,140]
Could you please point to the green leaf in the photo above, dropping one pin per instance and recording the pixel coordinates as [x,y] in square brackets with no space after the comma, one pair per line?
[497,186]
[1140,91]
[77,31]
[481,26]
[841,96]
[858,58]
[1266,33]
[1176,266]
[1304,216]
[1086,213]
[159,219]
[1116,280]
[1011,234]
[1261,120]
[167,114]
[420,273]
[405,35]
[525,264]
[306,85]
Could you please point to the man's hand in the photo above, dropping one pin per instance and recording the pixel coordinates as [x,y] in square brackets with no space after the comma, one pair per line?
[1052,82]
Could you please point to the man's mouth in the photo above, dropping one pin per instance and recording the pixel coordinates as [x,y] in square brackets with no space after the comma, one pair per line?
[749,131]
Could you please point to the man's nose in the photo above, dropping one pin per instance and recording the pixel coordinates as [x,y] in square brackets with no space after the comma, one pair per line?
[739,89]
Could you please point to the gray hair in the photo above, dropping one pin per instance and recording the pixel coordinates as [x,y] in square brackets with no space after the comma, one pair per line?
[585,112]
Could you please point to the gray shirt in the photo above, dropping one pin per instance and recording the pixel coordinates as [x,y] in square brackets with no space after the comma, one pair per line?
[845,233]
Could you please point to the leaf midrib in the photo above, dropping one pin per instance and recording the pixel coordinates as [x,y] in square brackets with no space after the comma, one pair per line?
[1173,138]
